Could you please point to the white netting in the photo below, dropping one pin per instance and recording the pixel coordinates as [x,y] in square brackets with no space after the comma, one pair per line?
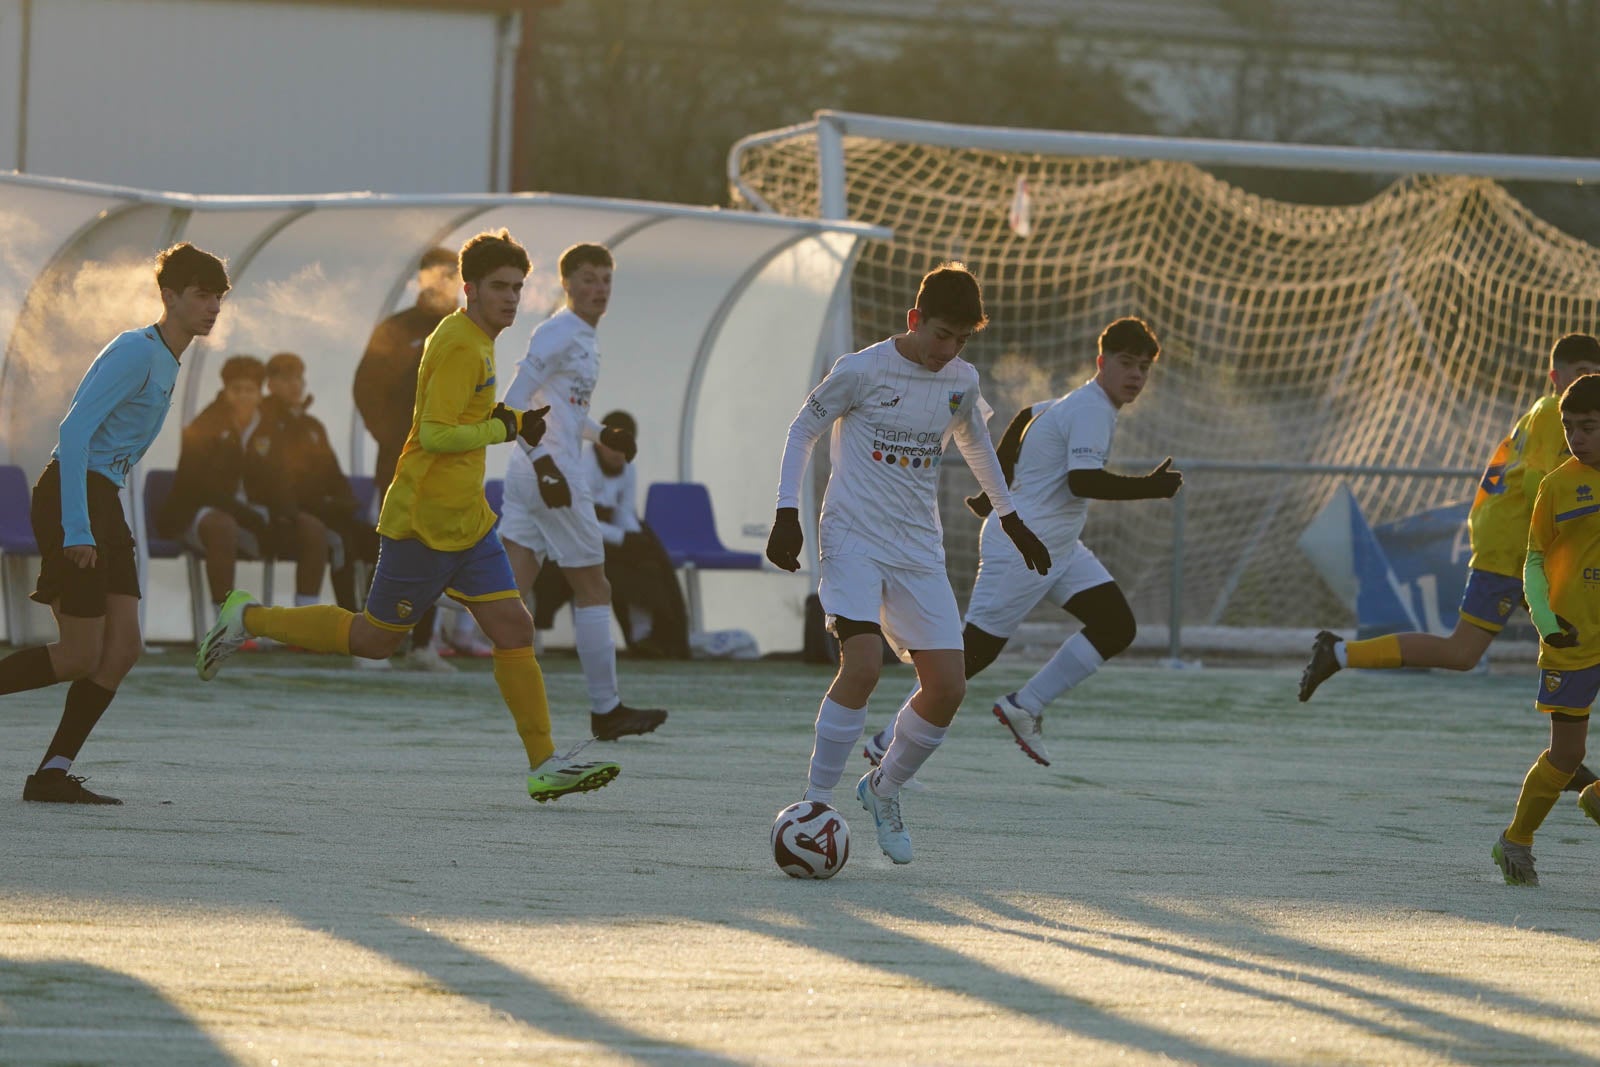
[1403,332]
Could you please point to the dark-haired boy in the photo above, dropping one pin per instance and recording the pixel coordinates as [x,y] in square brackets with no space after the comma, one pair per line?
[1057,453]
[892,406]
[548,511]
[89,575]
[437,529]
[1559,576]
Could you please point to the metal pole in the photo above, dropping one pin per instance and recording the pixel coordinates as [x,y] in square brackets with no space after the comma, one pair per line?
[1175,607]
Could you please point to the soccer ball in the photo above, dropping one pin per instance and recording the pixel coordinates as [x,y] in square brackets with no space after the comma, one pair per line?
[810,840]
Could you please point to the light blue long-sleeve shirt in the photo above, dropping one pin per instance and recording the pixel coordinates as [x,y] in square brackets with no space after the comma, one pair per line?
[114,418]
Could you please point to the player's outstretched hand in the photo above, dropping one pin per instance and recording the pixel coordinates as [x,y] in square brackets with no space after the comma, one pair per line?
[979,505]
[783,544]
[1164,481]
[553,487]
[1567,638]
[619,440]
[1034,554]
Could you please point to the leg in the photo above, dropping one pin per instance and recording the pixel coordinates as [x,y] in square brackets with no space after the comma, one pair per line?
[919,730]
[843,714]
[507,623]
[91,694]
[311,557]
[219,539]
[609,717]
[1513,852]
[524,565]
[1108,628]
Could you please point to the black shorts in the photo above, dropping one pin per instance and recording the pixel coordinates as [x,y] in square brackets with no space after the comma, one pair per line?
[82,591]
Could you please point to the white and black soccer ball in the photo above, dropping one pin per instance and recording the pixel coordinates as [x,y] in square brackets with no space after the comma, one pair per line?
[810,840]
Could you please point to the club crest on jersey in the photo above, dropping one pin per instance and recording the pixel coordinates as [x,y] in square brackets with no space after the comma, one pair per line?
[955,399]
[1552,681]
[404,609]
[1503,607]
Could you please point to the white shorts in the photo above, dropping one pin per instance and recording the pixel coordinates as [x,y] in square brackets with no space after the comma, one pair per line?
[1006,590]
[916,609]
[570,536]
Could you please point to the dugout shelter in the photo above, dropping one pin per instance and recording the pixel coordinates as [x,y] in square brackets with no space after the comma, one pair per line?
[719,324]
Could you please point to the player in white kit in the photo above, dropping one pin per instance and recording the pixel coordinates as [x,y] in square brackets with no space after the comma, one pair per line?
[548,512]
[1055,453]
[893,407]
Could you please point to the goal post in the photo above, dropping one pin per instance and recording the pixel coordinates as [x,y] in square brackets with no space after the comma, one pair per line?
[1404,332]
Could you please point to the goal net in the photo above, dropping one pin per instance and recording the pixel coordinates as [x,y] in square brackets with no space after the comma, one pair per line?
[1408,331]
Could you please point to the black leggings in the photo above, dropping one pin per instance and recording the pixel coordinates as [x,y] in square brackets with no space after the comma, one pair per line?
[1107,624]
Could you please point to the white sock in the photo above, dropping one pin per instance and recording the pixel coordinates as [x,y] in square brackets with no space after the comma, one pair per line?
[1341,655]
[1074,661]
[301,600]
[591,629]
[57,763]
[915,739]
[838,730]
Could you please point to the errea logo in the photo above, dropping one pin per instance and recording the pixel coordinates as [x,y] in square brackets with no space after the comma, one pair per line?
[1585,493]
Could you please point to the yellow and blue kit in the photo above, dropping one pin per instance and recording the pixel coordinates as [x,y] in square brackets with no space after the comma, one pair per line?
[1498,522]
[1563,579]
[437,528]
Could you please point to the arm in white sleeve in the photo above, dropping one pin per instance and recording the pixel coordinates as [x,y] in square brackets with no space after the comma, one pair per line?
[832,397]
[533,370]
[971,432]
[591,429]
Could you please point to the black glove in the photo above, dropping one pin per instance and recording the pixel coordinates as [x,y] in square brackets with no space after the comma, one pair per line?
[783,544]
[1034,554]
[528,425]
[1567,638]
[619,440]
[979,505]
[1163,482]
[553,487]
[247,517]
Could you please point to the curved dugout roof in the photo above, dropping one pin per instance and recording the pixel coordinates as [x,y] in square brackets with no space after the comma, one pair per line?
[716,329]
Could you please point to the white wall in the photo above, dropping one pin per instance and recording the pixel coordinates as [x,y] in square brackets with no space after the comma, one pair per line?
[205,96]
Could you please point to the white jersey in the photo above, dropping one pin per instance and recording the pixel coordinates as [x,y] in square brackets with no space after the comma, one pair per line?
[1071,433]
[615,498]
[891,420]
[561,369]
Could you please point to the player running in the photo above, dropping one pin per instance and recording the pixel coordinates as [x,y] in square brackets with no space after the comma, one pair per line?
[1563,555]
[437,530]
[548,510]
[1054,455]
[892,407]
[89,576]
[1498,527]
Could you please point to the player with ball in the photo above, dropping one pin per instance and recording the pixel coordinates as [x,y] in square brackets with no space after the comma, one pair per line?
[892,408]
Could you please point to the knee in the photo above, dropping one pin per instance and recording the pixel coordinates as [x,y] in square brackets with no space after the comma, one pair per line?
[513,632]
[219,532]
[945,693]
[1112,634]
[374,642]
[76,661]
[979,649]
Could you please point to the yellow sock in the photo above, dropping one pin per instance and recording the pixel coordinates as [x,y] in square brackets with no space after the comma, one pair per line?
[1540,790]
[1377,653]
[315,628]
[521,684]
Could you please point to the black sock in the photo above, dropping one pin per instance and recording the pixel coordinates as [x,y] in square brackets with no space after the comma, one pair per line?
[1581,778]
[85,704]
[25,670]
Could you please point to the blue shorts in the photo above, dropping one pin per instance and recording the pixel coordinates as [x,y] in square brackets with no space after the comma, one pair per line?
[410,576]
[1568,692]
[1489,599]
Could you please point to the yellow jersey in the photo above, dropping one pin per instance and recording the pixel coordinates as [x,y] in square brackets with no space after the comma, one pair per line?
[1566,528]
[1498,522]
[437,497]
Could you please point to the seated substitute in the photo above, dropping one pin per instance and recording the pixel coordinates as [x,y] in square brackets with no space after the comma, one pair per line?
[227,501]
[301,458]
[644,585]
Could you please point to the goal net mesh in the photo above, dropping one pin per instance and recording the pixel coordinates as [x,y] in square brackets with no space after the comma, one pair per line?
[1406,331]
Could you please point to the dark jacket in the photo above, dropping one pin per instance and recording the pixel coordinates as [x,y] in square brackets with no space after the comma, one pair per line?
[301,458]
[212,463]
[386,383]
